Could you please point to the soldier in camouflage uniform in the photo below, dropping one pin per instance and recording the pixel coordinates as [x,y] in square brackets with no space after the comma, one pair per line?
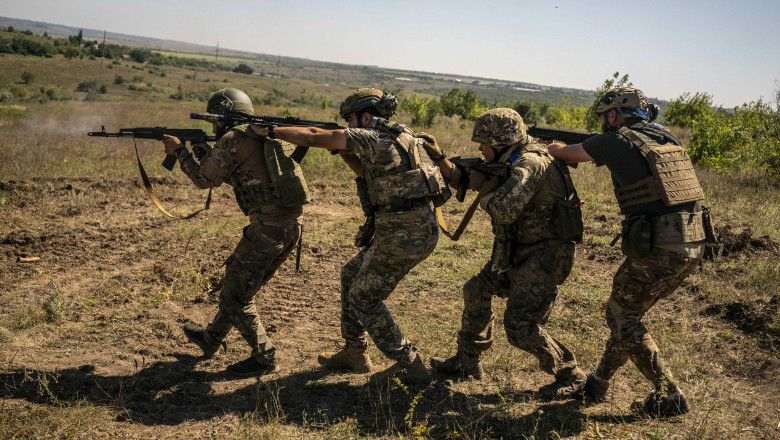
[536,219]
[397,191]
[271,190]
[663,236]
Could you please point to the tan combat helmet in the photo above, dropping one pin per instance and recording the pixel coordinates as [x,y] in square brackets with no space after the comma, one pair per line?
[385,103]
[498,128]
[628,102]
[226,101]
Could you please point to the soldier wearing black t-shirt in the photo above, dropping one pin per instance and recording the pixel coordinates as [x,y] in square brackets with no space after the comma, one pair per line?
[663,236]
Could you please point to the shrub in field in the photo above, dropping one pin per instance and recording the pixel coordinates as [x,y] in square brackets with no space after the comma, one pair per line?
[682,111]
[750,137]
[27,76]
[466,105]
[567,116]
[119,80]
[243,68]
[6,95]
[86,86]
[423,110]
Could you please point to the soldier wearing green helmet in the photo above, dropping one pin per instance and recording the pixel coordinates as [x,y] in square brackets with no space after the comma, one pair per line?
[663,237]
[398,192]
[536,220]
[271,190]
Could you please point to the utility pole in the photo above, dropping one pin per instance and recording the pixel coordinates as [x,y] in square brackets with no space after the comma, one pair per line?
[216,57]
[103,54]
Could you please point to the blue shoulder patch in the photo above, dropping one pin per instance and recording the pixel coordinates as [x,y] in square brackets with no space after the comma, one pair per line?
[513,157]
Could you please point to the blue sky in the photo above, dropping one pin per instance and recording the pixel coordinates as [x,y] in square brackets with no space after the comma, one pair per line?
[728,49]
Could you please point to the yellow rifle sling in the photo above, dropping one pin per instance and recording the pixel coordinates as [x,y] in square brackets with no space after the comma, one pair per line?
[150,191]
[486,188]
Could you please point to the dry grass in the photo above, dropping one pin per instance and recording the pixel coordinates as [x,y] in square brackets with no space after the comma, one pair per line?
[90,342]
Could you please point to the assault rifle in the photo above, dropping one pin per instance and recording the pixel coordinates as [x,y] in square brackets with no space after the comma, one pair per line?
[240,119]
[192,135]
[553,134]
[501,170]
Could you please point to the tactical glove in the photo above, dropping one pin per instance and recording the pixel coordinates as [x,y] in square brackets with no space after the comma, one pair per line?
[431,146]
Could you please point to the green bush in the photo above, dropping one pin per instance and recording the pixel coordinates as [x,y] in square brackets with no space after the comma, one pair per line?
[686,109]
[27,76]
[748,137]
[423,110]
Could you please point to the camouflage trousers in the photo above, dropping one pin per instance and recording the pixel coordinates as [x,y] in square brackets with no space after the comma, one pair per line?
[530,288]
[637,286]
[259,253]
[402,240]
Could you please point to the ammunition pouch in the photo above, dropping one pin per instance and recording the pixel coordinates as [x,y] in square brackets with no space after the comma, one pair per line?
[642,234]
[568,219]
[425,181]
[637,237]
[365,233]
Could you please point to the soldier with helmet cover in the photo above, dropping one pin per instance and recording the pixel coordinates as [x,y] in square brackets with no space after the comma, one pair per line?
[271,190]
[663,237]
[398,192]
[536,220]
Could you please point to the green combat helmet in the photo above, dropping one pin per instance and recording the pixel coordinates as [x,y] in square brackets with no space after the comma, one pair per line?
[384,103]
[498,128]
[226,102]
[629,102]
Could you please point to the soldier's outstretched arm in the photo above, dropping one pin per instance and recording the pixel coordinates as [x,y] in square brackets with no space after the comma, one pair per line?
[569,153]
[306,136]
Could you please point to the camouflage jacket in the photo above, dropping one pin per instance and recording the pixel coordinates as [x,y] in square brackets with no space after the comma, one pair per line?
[239,157]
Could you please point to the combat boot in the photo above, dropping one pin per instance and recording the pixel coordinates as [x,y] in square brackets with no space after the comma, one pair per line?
[203,339]
[354,359]
[252,367]
[455,367]
[415,370]
[565,386]
[593,390]
[658,406]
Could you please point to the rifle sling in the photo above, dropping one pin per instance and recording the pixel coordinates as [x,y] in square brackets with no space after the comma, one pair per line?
[489,186]
[150,191]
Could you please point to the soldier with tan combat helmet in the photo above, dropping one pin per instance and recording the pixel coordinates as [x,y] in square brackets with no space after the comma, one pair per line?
[536,219]
[397,192]
[663,237]
[270,189]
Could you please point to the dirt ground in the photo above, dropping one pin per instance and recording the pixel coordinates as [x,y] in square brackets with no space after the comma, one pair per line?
[92,344]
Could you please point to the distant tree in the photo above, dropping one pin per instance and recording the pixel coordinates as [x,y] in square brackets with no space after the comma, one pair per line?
[140,55]
[10,29]
[466,105]
[243,68]
[686,109]
[27,76]
[423,110]
[80,37]
[533,112]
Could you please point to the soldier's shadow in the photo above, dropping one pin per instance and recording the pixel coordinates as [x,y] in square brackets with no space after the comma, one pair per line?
[171,392]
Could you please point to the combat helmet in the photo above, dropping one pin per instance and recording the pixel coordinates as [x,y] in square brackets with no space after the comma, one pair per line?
[499,127]
[385,103]
[629,102]
[226,101]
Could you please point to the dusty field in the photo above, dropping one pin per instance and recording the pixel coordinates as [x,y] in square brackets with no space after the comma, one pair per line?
[92,344]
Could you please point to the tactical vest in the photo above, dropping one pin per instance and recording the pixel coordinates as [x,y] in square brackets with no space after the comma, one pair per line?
[547,216]
[287,187]
[422,180]
[673,181]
